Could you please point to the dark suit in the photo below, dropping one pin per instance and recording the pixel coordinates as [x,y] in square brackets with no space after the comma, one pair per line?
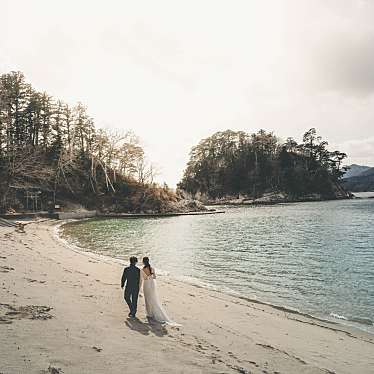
[131,276]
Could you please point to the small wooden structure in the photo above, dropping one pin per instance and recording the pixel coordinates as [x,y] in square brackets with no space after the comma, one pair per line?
[31,198]
[33,201]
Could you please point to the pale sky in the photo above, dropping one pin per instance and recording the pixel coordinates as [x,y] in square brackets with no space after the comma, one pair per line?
[177,71]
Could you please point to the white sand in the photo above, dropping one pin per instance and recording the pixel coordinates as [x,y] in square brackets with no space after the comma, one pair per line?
[87,330]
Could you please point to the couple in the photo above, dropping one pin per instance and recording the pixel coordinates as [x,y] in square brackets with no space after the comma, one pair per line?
[135,278]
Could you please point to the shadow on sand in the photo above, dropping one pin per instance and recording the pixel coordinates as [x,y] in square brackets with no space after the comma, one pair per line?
[146,328]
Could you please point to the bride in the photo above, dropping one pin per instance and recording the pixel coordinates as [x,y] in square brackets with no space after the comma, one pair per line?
[153,305]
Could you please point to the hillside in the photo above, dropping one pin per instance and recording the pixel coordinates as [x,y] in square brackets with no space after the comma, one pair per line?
[53,154]
[231,166]
[354,170]
[362,182]
[367,173]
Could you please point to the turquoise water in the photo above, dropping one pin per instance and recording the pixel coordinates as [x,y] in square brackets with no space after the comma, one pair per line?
[316,257]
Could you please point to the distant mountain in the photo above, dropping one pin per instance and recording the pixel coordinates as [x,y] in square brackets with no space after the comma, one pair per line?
[361,182]
[367,173]
[355,170]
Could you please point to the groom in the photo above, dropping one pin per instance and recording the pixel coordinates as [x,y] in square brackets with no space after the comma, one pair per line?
[131,276]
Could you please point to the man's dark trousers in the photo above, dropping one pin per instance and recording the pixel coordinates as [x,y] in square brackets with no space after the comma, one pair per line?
[131,297]
[131,277]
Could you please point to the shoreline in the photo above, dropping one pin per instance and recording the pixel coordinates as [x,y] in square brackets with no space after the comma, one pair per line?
[339,322]
[220,333]
[96,214]
[247,202]
[158,215]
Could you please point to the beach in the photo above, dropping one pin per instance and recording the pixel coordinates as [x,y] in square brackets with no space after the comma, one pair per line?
[62,311]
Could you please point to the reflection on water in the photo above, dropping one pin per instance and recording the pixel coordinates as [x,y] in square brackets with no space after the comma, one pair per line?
[315,257]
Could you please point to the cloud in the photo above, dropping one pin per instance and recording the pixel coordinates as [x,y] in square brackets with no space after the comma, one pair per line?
[331,46]
[344,63]
[175,73]
[360,151]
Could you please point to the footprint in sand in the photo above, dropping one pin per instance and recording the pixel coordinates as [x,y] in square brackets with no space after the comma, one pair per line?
[8,313]
[35,281]
[5,269]
[53,370]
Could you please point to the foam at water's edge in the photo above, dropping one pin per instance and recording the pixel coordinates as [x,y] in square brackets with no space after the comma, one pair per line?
[337,316]
[358,323]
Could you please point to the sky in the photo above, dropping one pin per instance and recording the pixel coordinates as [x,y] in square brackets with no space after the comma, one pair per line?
[176,71]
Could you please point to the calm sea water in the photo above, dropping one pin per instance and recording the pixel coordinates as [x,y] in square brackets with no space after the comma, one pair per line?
[317,258]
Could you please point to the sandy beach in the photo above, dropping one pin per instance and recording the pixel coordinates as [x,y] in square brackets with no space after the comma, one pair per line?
[62,311]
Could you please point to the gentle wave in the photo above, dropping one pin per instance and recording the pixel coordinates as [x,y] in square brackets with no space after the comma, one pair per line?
[337,316]
[363,321]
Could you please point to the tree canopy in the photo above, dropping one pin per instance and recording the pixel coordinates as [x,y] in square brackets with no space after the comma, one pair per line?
[48,145]
[234,162]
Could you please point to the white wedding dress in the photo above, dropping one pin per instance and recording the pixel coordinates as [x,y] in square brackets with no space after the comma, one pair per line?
[153,305]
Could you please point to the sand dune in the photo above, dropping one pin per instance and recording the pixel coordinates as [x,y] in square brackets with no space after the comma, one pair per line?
[63,312]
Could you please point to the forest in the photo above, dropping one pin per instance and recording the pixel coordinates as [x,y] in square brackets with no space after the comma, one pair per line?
[234,163]
[53,153]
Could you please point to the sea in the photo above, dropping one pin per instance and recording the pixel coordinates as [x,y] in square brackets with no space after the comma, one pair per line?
[316,258]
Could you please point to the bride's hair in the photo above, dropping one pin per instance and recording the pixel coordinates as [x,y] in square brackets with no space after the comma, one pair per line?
[147,264]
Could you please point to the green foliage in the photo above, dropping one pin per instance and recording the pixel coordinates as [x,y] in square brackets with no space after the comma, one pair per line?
[232,163]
